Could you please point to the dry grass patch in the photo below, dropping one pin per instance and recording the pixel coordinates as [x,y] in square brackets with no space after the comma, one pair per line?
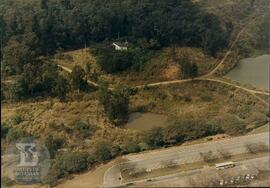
[161,67]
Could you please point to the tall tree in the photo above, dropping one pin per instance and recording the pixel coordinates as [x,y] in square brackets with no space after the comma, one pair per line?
[16,55]
[252,2]
[53,144]
[193,70]
[61,88]
[30,77]
[77,78]
[2,36]
[15,91]
[154,137]
[115,104]
[44,4]
[185,64]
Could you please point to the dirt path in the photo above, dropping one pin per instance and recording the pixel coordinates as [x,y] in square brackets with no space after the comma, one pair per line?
[231,47]
[204,77]
[250,91]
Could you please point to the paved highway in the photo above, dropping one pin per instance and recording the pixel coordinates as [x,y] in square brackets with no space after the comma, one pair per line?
[183,154]
[182,179]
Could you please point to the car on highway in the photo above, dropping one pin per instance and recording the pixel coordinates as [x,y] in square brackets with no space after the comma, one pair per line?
[225,165]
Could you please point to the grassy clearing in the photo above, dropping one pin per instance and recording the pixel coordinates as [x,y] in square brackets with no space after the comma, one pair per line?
[188,167]
[76,57]
[197,99]
[162,67]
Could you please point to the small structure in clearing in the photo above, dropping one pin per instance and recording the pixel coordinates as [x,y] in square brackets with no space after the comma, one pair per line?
[120,46]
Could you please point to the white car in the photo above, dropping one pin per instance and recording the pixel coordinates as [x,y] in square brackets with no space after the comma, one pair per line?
[221,182]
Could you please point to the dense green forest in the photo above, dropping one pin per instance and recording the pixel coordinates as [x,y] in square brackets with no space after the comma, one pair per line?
[42,27]
[30,29]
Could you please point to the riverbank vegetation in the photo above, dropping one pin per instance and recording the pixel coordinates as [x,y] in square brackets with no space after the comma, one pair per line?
[48,26]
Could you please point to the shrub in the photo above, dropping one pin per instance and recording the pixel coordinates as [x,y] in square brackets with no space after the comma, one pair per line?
[15,119]
[77,78]
[154,137]
[173,133]
[102,150]
[162,95]
[132,147]
[4,130]
[267,113]
[179,131]
[225,154]
[67,163]
[205,97]
[257,119]
[244,48]
[15,134]
[230,124]
[143,146]
[15,91]
[53,175]
[208,157]
[112,61]
[115,150]
[188,129]
[74,162]
[168,164]
[84,129]
[6,182]
[187,98]
[137,172]
[53,144]
[115,104]
[256,147]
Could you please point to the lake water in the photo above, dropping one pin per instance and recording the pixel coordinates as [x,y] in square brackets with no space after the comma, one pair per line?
[146,121]
[253,71]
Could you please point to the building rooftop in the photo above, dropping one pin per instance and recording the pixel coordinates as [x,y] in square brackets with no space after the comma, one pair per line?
[121,44]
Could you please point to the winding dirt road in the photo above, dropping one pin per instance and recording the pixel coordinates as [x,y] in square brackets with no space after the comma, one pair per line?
[231,47]
[206,77]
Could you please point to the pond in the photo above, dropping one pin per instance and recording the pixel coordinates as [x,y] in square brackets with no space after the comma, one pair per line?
[146,121]
[253,71]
